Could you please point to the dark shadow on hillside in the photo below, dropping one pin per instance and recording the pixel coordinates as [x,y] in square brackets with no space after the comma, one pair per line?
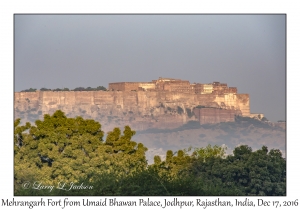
[229,127]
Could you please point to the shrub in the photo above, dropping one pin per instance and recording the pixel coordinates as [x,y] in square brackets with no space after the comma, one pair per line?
[179,110]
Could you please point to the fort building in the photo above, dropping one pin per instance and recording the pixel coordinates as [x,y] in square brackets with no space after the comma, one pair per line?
[215,115]
[174,85]
[161,103]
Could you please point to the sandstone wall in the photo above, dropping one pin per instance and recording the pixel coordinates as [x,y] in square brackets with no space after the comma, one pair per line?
[116,86]
[130,86]
[243,103]
[214,115]
[147,85]
[140,109]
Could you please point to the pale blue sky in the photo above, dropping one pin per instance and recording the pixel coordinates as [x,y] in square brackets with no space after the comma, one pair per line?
[244,51]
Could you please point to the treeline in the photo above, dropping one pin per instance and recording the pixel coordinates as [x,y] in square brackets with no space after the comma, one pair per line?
[67,89]
[61,150]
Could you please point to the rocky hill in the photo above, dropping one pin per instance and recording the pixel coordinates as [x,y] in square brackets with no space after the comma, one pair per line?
[231,134]
[140,110]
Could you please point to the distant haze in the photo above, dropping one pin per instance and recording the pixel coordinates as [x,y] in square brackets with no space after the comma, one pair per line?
[244,51]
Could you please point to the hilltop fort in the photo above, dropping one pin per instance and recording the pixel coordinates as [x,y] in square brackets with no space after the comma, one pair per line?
[173,85]
[161,103]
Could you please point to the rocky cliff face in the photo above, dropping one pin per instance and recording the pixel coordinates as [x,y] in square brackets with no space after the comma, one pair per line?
[139,109]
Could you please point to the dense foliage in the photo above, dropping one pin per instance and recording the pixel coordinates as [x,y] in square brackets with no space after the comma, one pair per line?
[29,90]
[89,88]
[59,150]
[67,89]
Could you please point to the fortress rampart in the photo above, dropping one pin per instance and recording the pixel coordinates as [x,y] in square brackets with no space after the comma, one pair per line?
[145,107]
[215,115]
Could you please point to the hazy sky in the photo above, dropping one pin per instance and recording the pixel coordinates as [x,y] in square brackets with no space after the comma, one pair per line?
[244,51]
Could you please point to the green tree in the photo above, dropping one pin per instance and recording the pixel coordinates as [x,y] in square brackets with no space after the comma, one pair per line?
[127,155]
[209,151]
[29,90]
[58,148]
[101,88]
[246,172]
[45,89]
[79,89]
[174,165]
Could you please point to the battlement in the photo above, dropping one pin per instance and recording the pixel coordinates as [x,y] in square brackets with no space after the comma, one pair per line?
[173,85]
